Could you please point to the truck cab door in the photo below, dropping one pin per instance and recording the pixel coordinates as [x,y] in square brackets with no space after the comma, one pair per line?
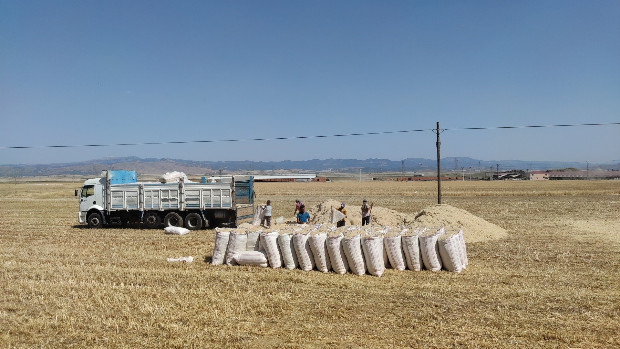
[87,197]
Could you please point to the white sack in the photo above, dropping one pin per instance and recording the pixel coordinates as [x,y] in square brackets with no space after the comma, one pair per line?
[464,259]
[319,252]
[269,241]
[173,177]
[430,250]
[304,253]
[411,249]
[289,256]
[258,215]
[336,253]
[236,244]
[253,243]
[393,247]
[373,254]
[352,247]
[255,258]
[188,259]
[176,230]
[219,250]
[450,252]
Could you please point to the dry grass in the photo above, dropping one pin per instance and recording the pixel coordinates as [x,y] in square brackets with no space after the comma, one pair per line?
[553,282]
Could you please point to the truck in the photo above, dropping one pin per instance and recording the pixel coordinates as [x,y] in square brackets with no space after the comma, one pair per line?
[117,198]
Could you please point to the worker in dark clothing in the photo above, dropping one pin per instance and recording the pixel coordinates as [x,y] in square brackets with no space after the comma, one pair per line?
[366,209]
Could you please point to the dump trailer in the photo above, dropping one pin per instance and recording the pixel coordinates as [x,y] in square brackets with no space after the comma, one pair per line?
[117,198]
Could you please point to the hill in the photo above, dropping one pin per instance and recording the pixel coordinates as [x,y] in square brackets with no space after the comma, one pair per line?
[162,165]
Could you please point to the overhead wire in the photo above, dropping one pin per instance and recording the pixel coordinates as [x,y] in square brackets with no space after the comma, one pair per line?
[309,137]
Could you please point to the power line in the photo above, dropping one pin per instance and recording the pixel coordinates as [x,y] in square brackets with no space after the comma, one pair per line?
[306,137]
[533,126]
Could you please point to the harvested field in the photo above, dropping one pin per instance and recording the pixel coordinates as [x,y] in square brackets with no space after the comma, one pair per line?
[550,280]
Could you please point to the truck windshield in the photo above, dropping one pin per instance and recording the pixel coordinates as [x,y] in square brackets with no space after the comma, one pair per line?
[88,190]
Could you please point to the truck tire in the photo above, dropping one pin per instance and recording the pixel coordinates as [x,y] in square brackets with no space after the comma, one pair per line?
[173,219]
[193,221]
[95,220]
[151,220]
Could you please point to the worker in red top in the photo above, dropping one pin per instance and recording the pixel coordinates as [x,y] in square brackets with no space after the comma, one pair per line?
[298,205]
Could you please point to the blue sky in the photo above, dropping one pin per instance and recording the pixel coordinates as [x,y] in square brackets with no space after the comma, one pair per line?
[109,72]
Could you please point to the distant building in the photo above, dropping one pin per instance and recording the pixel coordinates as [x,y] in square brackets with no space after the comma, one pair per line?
[539,176]
[573,175]
[289,178]
[272,178]
[425,178]
[510,175]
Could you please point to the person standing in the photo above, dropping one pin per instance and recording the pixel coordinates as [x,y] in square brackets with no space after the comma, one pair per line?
[266,215]
[366,209]
[303,217]
[342,222]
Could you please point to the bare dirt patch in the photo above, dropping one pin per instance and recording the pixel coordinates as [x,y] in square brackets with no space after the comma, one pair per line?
[584,230]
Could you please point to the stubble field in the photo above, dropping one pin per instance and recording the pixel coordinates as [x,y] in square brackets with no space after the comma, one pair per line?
[554,281]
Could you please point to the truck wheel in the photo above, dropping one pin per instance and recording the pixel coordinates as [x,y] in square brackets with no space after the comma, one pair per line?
[152,220]
[193,221]
[94,220]
[173,219]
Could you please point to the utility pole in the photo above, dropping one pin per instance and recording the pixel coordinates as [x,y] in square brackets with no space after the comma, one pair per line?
[438,166]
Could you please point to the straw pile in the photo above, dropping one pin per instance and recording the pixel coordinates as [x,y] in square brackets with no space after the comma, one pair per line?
[475,228]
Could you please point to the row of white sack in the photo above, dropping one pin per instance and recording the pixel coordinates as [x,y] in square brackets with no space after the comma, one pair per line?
[356,254]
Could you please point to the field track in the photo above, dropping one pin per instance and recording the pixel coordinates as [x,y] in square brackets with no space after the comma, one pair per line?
[553,282]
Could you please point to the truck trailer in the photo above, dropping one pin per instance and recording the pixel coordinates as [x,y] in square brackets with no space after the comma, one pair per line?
[117,198]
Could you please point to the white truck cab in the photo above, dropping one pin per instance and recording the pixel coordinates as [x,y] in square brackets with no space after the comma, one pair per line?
[91,198]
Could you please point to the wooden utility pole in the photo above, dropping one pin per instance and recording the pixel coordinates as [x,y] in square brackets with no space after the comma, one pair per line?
[438,166]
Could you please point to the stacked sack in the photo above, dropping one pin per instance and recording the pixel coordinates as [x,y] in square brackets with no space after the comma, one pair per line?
[358,250]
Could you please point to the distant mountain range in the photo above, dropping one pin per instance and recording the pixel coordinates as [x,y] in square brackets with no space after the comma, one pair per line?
[160,166]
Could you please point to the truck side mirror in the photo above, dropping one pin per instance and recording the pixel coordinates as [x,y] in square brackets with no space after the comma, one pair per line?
[76,192]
